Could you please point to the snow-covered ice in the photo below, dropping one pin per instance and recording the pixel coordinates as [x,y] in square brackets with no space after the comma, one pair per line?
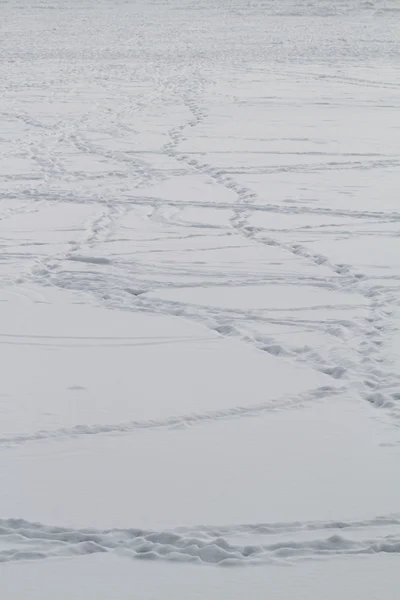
[199,299]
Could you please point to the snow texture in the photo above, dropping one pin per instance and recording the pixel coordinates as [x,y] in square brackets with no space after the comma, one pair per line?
[200,299]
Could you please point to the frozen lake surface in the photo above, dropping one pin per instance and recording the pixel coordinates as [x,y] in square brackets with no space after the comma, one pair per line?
[200,299]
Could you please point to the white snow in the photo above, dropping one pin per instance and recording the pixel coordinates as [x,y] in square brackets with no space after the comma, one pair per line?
[199,299]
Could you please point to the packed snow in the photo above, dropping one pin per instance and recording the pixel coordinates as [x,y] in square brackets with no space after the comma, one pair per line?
[200,299]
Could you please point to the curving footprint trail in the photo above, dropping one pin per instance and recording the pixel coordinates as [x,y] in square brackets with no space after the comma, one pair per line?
[367,372]
[174,422]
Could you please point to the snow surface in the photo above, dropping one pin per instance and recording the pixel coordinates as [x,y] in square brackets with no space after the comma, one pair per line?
[200,299]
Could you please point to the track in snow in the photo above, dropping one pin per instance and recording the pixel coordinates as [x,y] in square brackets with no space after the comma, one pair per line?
[270,543]
[230,169]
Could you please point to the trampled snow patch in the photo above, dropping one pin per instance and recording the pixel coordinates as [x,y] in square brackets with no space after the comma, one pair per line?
[203,545]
